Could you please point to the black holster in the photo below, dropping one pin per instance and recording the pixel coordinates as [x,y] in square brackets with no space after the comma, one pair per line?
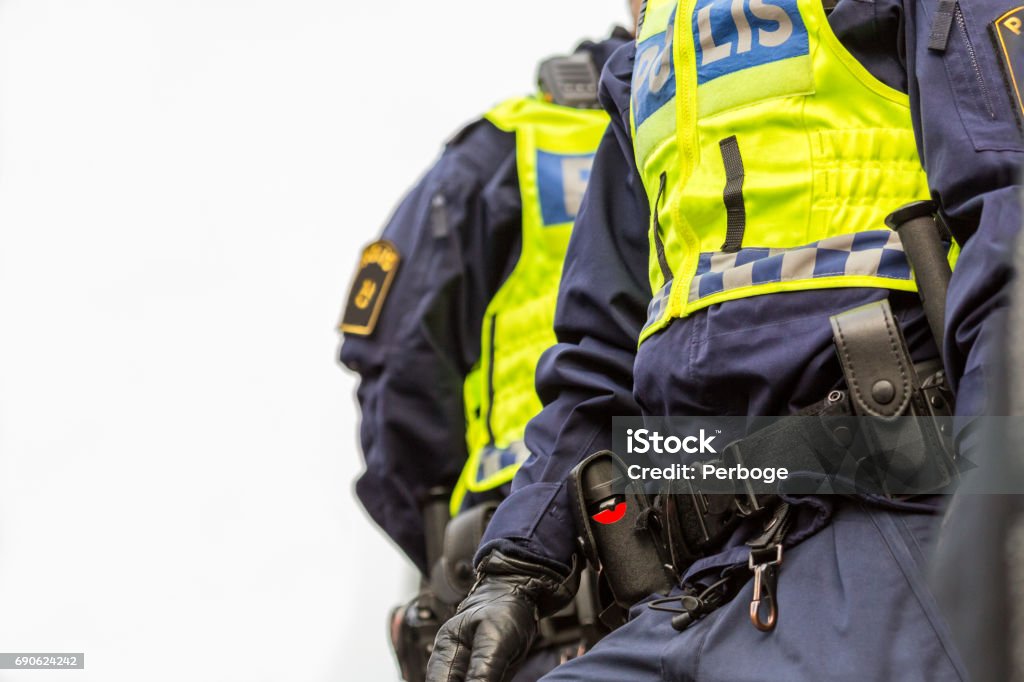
[414,625]
[628,555]
[904,410]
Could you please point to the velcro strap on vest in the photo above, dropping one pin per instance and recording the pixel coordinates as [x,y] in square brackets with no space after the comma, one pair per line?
[659,245]
[942,24]
[736,212]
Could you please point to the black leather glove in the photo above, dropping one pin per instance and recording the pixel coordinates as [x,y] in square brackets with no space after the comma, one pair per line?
[491,633]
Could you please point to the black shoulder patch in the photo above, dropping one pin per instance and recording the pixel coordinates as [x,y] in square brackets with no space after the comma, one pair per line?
[377,269]
[1008,31]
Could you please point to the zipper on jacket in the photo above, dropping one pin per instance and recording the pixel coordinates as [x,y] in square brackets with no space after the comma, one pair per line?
[659,246]
[973,56]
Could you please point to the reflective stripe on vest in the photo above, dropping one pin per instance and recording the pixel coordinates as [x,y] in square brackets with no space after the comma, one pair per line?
[555,147]
[769,155]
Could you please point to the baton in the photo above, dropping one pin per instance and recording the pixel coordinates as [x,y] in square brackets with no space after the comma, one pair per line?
[922,242]
[435,519]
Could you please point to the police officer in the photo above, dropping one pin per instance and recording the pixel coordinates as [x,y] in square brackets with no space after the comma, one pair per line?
[737,203]
[450,311]
[975,571]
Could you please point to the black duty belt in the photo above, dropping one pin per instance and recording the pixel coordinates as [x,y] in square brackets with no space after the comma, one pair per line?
[886,433]
[889,430]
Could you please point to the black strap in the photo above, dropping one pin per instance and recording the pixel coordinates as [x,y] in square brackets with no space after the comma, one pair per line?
[733,195]
[942,23]
[775,529]
[875,360]
[659,245]
[801,444]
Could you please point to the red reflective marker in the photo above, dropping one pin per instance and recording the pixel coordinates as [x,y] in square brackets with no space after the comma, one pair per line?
[609,516]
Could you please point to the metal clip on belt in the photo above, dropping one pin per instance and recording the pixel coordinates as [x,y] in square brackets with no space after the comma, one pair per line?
[764,561]
[766,575]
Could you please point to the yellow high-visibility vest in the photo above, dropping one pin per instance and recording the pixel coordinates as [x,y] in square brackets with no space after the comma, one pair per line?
[555,147]
[770,156]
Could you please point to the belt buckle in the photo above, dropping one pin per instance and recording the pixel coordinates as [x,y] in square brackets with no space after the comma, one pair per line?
[747,503]
[709,507]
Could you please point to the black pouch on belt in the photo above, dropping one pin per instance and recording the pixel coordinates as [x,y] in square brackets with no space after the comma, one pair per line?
[454,576]
[618,531]
[904,410]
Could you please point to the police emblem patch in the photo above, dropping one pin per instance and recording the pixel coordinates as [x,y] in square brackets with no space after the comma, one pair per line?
[744,34]
[377,268]
[561,182]
[654,73]
[1008,31]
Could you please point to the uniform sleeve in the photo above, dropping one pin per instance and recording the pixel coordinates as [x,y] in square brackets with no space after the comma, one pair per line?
[967,127]
[587,378]
[457,232]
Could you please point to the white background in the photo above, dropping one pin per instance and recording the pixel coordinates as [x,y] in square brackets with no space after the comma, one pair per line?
[184,189]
